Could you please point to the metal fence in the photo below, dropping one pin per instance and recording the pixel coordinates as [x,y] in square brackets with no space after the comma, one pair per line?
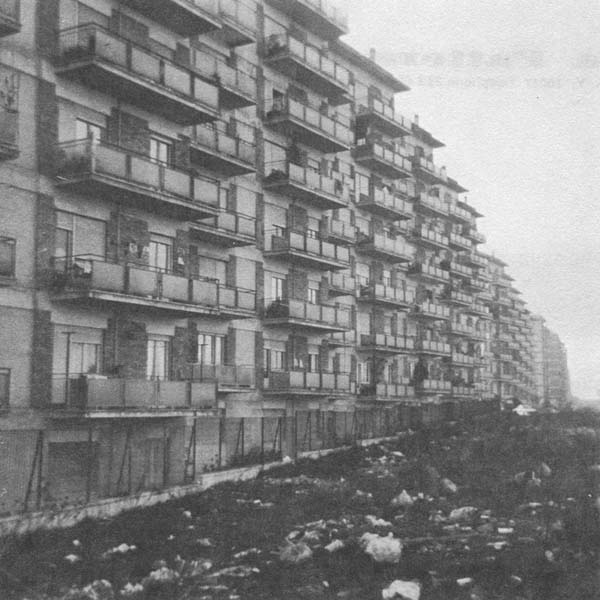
[72,466]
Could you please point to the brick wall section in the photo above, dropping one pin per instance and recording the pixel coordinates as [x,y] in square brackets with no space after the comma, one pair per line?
[45,230]
[47,13]
[184,349]
[128,131]
[47,127]
[126,239]
[125,348]
[41,358]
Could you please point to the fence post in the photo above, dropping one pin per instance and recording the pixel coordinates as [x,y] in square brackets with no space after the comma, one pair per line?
[262,440]
[90,466]
[220,442]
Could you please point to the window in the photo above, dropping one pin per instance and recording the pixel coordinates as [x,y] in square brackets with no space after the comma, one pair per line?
[277,360]
[7,257]
[312,233]
[84,358]
[313,363]
[211,349]
[364,372]
[157,359]
[277,286]
[160,254]
[279,231]
[160,151]
[86,130]
[313,296]
[4,388]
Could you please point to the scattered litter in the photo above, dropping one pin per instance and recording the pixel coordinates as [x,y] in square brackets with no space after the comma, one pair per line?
[187,514]
[204,542]
[244,553]
[449,486]
[464,581]
[462,514]
[498,545]
[382,549]
[334,546]
[295,552]
[505,530]
[76,543]
[286,460]
[402,500]
[545,470]
[120,549]
[402,590]
[235,571]
[72,558]
[375,522]
[131,590]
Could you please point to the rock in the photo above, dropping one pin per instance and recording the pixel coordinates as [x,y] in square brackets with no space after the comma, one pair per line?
[72,558]
[545,470]
[132,590]
[295,552]
[464,581]
[462,514]
[505,530]
[402,590]
[334,546]
[402,500]
[449,486]
[204,542]
[375,522]
[382,549]
[286,460]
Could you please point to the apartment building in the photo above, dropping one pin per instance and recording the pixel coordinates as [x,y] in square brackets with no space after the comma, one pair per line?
[215,208]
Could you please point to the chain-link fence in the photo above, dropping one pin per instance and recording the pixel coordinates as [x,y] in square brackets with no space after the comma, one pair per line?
[75,465]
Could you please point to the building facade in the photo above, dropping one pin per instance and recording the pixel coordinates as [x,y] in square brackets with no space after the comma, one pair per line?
[214,208]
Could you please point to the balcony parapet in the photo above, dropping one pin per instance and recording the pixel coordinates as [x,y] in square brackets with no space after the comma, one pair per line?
[301,314]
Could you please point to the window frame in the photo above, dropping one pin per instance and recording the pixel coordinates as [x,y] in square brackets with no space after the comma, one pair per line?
[11,244]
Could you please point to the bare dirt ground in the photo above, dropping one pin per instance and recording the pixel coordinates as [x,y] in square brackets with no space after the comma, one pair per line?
[530,527]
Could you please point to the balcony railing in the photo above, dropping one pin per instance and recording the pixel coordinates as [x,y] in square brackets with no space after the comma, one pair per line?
[227,377]
[460,214]
[428,272]
[343,339]
[430,237]
[97,166]
[309,65]
[456,297]
[341,232]
[426,170]
[382,159]
[228,229]
[460,329]
[307,184]
[185,17]
[432,347]
[98,394]
[465,391]
[214,148]
[475,236]
[378,244]
[378,293]
[341,284]
[239,22]
[463,359]
[321,17]
[93,278]
[432,205]
[9,134]
[308,125]
[383,117]
[310,251]
[383,342]
[381,202]
[431,310]
[304,314]
[307,382]
[456,240]
[10,17]
[236,302]
[433,386]
[115,65]
[387,392]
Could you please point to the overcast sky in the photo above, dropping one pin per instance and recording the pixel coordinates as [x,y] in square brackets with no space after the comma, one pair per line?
[513,90]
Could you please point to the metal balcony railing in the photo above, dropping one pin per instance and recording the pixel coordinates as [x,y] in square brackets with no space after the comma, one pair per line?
[226,376]
[319,315]
[219,141]
[307,381]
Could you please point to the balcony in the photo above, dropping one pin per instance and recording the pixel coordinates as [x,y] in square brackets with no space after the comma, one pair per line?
[428,273]
[228,378]
[382,160]
[465,391]
[341,284]
[456,298]
[340,232]
[380,246]
[298,314]
[213,148]
[98,396]
[306,184]
[239,24]
[459,214]
[461,271]
[308,125]
[384,343]
[474,235]
[433,386]
[462,330]
[342,339]
[307,383]
[91,167]
[475,260]
[459,242]
[185,17]
[307,251]
[433,348]
[430,310]
[319,16]
[463,360]
[429,238]
[236,303]
[425,170]
[9,134]
[386,295]
[383,118]
[116,66]
[91,281]
[307,65]
[10,17]
[478,309]
[387,392]
[227,229]
[385,204]
[431,206]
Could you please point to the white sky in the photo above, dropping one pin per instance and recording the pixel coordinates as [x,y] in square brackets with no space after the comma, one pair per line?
[513,90]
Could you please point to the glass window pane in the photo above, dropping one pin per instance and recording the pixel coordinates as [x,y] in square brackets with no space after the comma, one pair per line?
[7,258]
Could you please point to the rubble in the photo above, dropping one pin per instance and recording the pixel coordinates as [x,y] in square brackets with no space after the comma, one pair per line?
[382,549]
[295,552]
[402,590]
